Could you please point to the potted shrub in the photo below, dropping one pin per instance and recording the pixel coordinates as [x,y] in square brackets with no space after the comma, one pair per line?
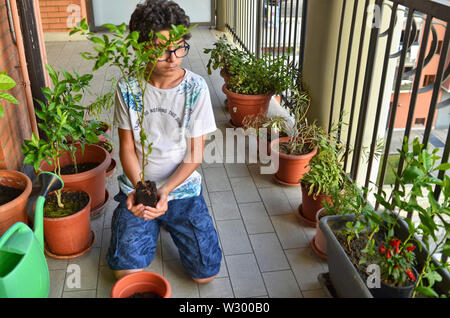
[296,151]
[325,176]
[253,83]
[225,57]
[66,212]
[15,187]
[81,165]
[124,51]
[400,252]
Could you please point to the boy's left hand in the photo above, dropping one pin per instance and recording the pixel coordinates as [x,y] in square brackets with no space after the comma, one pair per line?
[160,209]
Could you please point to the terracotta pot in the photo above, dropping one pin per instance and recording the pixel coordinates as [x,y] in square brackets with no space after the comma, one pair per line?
[319,242]
[141,282]
[70,235]
[291,167]
[92,181]
[111,168]
[310,206]
[15,210]
[225,76]
[240,105]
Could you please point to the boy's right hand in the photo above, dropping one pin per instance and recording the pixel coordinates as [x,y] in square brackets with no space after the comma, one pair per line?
[137,210]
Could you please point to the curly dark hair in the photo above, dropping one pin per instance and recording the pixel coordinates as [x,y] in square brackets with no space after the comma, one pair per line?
[157,15]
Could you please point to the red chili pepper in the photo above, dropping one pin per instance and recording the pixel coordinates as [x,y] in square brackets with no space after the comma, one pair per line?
[388,254]
[410,274]
[410,248]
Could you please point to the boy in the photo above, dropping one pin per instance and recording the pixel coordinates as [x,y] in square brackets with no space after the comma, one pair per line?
[177,100]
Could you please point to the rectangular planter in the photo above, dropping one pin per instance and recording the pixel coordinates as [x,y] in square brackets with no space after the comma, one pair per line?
[345,278]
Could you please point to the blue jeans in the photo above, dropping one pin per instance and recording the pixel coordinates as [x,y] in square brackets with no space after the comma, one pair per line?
[133,240]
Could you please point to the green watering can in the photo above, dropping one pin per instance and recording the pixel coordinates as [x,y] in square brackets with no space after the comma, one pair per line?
[23,267]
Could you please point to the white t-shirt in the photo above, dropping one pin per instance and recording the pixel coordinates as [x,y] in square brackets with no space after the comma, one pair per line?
[171,117]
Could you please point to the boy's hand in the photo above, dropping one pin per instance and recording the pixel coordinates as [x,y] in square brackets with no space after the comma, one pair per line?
[161,207]
[137,210]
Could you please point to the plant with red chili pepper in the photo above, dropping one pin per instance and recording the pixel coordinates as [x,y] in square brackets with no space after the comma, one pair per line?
[396,260]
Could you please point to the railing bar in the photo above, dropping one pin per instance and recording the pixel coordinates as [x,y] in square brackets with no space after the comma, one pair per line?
[303,32]
[290,32]
[365,97]
[417,78]
[336,67]
[382,90]
[438,10]
[347,65]
[355,90]
[285,26]
[437,86]
[279,29]
[295,31]
[260,27]
[444,159]
[393,113]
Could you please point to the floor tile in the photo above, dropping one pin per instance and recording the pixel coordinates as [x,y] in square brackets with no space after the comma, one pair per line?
[218,288]
[268,252]
[224,205]
[233,237]
[306,267]
[244,190]
[88,269]
[255,218]
[246,279]
[281,284]
[182,285]
[290,233]
[216,179]
[275,200]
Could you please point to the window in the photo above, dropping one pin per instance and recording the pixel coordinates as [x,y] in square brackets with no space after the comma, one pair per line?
[429,79]
[439,47]
[420,121]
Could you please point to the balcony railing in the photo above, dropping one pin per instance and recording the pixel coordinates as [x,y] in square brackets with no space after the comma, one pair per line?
[400,47]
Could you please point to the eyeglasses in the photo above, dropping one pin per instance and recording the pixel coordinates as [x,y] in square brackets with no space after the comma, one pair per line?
[179,52]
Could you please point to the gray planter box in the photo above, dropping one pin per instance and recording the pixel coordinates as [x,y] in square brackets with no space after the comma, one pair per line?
[345,278]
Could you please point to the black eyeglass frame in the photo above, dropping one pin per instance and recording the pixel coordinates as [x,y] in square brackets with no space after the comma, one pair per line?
[185,46]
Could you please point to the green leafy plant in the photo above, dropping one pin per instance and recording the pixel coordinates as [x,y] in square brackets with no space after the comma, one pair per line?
[415,183]
[262,125]
[6,83]
[261,75]
[134,59]
[225,57]
[61,116]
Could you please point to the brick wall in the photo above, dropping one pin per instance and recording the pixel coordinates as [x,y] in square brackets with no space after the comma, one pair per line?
[15,125]
[56,14]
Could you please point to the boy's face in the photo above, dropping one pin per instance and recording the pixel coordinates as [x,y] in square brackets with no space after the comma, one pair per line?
[169,63]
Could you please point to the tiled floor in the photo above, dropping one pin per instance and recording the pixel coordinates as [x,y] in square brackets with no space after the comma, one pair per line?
[265,247]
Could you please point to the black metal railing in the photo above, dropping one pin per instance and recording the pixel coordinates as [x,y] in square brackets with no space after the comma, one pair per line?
[269,26]
[420,20]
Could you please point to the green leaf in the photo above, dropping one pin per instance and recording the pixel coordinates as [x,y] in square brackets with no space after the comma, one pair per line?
[427,291]
[2,111]
[443,166]
[6,82]
[8,97]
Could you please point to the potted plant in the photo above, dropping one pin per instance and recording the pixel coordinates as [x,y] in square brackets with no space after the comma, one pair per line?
[253,83]
[15,187]
[66,213]
[400,252]
[325,176]
[296,151]
[136,61]
[265,128]
[225,57]
[81,164]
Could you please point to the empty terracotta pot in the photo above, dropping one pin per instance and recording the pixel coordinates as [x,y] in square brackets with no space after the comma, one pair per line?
[319,242]
[141,282]
[310,206]
[69,235]
[291,167]
[240,105]
[15,210]
[93,181]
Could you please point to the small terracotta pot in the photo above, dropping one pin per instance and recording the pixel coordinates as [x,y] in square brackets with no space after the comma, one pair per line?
[92,181]
[291,167]
[69,235]
[319,242]
[240,105]
[310,206]
[15,210]
[141,282]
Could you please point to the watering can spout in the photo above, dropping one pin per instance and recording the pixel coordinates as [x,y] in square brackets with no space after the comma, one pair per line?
[50,182]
